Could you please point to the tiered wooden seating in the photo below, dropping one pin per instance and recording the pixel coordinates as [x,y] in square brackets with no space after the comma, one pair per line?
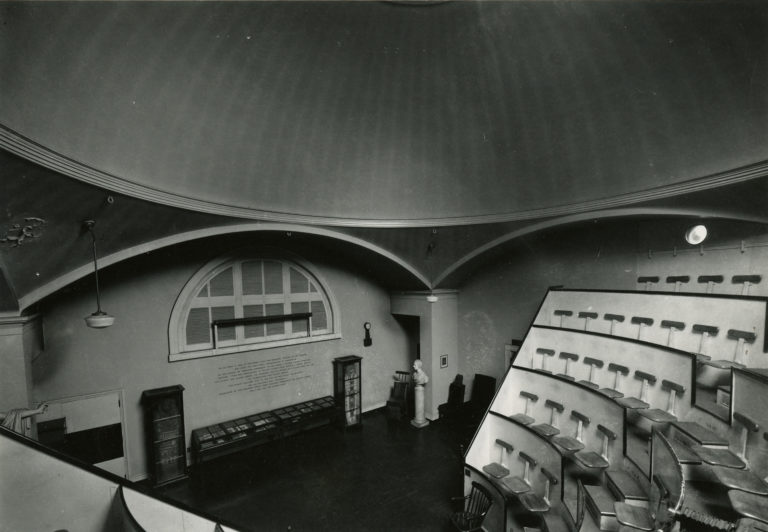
[613,398]
[667,310]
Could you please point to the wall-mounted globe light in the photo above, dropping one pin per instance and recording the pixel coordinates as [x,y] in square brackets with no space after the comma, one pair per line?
[696,235]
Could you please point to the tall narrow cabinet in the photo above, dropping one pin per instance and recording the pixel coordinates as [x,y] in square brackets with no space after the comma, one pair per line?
[164,434]
[346,389]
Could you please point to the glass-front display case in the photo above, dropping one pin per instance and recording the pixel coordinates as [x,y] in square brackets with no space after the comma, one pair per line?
[164,433]
[346,389]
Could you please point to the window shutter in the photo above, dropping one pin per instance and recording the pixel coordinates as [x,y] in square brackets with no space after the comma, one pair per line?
[198,330]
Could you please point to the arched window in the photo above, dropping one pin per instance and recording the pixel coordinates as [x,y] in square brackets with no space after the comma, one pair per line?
[241,304]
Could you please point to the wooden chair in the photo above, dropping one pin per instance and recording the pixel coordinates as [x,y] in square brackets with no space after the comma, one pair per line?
[474,508]
[397,404]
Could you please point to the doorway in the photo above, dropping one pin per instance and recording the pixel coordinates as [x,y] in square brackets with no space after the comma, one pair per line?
[88,427]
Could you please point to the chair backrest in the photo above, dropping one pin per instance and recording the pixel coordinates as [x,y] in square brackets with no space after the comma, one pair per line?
[400,391]
[478,503]
[483,390]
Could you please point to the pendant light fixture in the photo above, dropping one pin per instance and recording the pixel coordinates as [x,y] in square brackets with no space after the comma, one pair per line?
[99,319]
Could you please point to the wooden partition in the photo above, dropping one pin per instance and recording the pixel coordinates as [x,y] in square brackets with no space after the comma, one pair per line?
[673,316]
[662,362]
[750,399]
[507,513]
[598,408]
[42,489]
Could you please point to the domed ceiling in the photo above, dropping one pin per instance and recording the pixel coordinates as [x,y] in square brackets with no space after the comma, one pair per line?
[384,114]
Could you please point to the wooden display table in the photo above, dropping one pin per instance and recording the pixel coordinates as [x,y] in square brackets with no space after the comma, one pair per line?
[221,439]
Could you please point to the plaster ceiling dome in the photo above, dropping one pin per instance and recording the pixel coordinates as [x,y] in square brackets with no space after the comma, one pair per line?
[366,113]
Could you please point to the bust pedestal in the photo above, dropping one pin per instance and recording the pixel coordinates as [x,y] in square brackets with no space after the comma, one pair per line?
[419,421]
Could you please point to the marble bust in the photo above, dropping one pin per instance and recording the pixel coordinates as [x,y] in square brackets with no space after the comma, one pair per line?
[419,377]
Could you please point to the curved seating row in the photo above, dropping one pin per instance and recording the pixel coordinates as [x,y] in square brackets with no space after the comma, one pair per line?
[656,457]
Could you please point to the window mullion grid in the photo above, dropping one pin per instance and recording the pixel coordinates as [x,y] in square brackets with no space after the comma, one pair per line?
[237,286]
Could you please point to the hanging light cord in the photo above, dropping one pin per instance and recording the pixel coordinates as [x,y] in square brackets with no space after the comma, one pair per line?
[95,269]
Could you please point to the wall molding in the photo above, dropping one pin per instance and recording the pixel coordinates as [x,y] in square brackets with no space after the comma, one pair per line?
[611,213]
[107,260]
[24,147]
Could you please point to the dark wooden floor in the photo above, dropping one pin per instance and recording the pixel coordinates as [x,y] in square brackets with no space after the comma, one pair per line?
[386,476]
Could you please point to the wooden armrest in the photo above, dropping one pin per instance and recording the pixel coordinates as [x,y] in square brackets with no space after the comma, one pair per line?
[643,376]
[528,458]
[678,279]
[563,313]
[581,417]
[508,446]
[648,279]
[543,351]
[553,480]
[637,320]
[590,315]
[618,368]
[607,432]
[710,278]
[754,279]
[668,324]
[747,336]
[669,385]
[593,362]
[569,356]
[532,396]
[614,317]
[549,403]
[709,329]
[748,422]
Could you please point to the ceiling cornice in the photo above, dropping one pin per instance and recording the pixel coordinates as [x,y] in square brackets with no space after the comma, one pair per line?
[27,148]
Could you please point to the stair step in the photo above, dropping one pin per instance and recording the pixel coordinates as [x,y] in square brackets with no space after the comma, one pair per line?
[555,523]
[600,501]
[741,479]
[718,457]
[626,489]
[633,517]
[749,505]
[691,433]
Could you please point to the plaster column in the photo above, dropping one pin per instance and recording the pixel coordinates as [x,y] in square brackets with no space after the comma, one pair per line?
[419,421]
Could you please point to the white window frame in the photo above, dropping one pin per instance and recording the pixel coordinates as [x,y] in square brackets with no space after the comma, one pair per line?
[187,299]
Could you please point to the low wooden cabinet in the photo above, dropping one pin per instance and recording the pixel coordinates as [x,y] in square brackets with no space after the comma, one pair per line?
[165,435]
[346,389]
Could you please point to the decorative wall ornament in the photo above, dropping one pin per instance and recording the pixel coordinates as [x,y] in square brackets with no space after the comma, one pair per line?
[18,232]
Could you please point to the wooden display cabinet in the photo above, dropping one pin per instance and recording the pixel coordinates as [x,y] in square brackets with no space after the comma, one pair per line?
[346,389]
[164,434]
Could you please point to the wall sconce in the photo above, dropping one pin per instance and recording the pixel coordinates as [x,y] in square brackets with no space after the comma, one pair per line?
[696,235]
[367,341]
[99,319]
